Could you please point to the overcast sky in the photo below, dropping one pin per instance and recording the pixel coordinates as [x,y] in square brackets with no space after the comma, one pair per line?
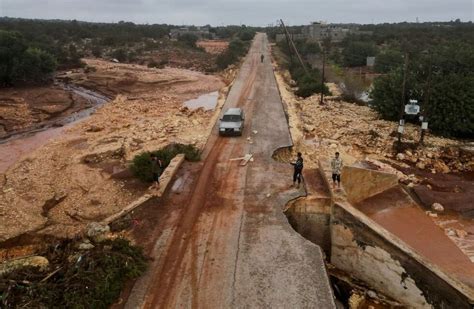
[250,12]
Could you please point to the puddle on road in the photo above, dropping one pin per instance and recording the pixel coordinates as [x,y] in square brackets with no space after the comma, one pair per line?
[207,101]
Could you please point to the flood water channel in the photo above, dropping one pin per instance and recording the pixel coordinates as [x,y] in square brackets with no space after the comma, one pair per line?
[18,145]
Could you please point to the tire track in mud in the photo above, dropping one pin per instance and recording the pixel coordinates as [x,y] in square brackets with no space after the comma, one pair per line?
[182,252]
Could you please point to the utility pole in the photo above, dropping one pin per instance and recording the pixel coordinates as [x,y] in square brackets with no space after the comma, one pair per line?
[294,47]
[424,111]
[289,49]
[326,46]
[401,125]
[321,102]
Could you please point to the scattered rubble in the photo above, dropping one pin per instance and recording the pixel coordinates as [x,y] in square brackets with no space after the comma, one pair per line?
[437,207]
[146,115]
[357,132]
[97,232]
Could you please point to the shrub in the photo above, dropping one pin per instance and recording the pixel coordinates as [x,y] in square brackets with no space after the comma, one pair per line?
[225,59]
[153,64]
[120,54]
[141,165]
[356,53]
[188,39]
[236,49]
[309,85]
[246,35]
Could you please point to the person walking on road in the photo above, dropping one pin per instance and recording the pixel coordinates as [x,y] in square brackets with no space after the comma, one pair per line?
[261,58]
[336,166]
[156,166]
[298,166]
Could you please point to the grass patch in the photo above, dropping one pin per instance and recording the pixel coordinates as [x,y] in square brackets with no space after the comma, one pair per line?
[141,165]
[85,279]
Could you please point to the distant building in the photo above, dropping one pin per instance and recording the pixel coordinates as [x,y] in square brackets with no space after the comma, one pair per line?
[318,31]
[200,32]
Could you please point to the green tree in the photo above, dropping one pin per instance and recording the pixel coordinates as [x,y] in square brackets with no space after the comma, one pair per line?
[120,54]
[35,66]
[388,60]
[246,35]
[356,53]
[450,110]
[188,39]
[19,63]
[12,46]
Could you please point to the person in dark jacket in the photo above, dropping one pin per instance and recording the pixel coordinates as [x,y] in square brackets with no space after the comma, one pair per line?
[298,169]
[156,166]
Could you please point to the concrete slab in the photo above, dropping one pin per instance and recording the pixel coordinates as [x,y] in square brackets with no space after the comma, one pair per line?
[361,183]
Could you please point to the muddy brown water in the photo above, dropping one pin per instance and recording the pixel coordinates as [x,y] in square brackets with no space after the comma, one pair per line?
[206,101]
[412,225]
[21,144]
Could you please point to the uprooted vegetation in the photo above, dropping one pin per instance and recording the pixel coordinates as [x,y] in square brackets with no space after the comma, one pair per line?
[141,165]
[74,278]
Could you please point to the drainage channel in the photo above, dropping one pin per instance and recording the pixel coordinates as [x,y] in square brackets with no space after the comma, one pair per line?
[310,217]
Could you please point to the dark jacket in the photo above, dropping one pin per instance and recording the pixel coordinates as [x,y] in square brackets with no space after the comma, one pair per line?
[298,164]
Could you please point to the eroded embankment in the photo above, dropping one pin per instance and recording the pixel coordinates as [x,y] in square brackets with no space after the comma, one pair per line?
[59,188]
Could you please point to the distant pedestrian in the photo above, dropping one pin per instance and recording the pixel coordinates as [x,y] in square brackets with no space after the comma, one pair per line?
[156,166]
[336,166]
[261,58]
[298,166]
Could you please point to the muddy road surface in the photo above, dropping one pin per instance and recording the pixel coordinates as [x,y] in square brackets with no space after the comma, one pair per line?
[219,237]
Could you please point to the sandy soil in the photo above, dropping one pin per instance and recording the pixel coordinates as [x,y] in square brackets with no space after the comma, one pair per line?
[29,108]
[79,178]
[213,46]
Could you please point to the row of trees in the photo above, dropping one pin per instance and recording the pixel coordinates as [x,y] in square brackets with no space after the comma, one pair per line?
[309,82]
[68,41]
[445,49]
[238,46]
[22,63]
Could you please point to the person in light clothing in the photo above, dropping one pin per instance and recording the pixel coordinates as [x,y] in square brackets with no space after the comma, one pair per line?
[336,166]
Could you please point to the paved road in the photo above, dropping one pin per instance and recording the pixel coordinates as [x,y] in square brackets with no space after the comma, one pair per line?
[219,241]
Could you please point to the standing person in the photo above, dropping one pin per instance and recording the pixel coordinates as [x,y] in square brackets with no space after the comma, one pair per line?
[261,58]
[298,165]
[156,166]
[336,166]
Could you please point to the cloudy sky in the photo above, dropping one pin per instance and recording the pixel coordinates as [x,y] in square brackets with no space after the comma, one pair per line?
[250,12]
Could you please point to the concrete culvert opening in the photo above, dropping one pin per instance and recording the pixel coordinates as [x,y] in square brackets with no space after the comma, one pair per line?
[283,154]
[310,216]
